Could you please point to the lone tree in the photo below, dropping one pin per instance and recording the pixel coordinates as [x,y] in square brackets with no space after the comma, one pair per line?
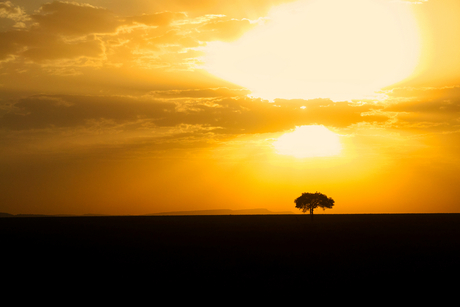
[310,201]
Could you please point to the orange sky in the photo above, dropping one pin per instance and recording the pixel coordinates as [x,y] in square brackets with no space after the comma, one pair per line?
[136,107]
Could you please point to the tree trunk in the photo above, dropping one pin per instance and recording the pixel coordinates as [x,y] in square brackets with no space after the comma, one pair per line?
[311,213]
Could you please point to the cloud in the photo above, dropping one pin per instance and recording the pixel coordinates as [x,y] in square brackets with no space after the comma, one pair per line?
[55,111]
[224,114]
[60,50]
[446,92]
[164,40]
[224,30]
[15,13]
[13,43]
[235,9]
[160,124]
[201,93]
[46,38]
[158,19]
[434,109]
[75,19]
[39,46]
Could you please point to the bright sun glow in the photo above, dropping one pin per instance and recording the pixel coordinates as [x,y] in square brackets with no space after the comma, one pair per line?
[329,48]
[309,141]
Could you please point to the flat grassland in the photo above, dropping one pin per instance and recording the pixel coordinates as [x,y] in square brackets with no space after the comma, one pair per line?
[250,248]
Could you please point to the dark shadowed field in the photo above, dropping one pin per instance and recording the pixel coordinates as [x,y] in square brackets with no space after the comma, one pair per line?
[251,249]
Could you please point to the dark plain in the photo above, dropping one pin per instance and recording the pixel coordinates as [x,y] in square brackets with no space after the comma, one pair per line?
[244,250]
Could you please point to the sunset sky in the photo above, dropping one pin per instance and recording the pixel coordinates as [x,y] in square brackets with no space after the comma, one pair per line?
[141,106]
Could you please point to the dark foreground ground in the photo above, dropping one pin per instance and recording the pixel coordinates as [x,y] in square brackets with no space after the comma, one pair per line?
[189,251]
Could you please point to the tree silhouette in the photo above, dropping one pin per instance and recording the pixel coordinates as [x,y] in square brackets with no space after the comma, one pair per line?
[310,201]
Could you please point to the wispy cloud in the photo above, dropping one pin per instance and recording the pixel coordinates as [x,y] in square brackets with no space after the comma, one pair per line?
[15,13]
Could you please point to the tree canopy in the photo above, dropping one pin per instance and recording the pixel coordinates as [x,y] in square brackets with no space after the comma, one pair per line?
[311,201]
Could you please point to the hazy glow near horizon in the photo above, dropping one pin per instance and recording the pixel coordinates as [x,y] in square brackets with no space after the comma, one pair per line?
[309,141]
[331,48]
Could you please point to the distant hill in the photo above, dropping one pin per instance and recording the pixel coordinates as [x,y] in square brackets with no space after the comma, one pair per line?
[194,212]
[3,214]
[222,212]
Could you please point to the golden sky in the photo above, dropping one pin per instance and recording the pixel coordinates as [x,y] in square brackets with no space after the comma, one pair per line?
[137,107]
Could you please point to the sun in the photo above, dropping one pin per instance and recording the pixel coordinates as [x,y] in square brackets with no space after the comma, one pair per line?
[309,141]
[322,49]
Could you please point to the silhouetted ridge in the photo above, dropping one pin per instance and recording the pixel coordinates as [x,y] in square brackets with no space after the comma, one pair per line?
[260,211]
[222,212]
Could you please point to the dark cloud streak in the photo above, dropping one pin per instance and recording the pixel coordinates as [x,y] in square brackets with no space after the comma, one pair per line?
[73,19]
[233,115]
[45,111]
